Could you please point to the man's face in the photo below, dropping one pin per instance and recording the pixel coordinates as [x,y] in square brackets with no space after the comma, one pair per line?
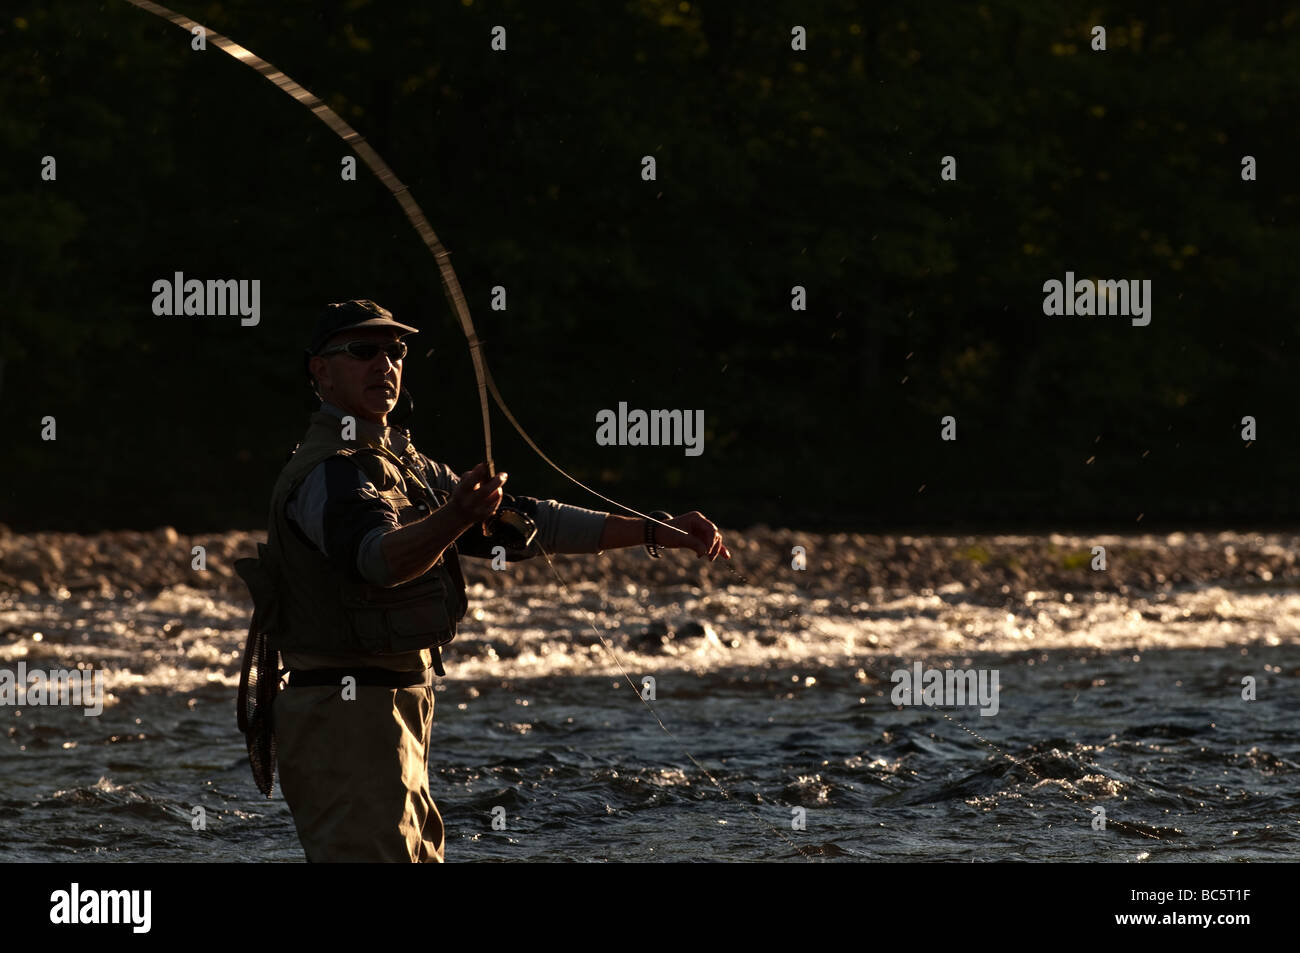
[366,389]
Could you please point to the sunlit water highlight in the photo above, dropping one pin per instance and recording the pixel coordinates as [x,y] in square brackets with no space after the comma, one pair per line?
[1132,703]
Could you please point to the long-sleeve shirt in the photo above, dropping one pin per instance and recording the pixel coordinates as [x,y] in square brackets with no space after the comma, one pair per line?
[344,516]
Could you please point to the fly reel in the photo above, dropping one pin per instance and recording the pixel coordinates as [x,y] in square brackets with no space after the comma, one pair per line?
[514,529]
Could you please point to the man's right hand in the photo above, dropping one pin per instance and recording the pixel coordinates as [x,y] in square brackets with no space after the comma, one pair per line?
[476,497]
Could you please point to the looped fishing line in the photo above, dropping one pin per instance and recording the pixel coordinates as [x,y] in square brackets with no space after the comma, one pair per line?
[451,286]
[456,298]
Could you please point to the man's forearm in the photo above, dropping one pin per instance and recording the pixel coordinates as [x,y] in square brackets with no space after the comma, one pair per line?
[622,531]
[412,550]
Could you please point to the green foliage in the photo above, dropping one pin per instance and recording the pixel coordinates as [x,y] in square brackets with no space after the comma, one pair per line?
[775,168]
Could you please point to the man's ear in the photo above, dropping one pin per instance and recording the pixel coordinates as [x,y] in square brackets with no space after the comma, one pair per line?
[315,366]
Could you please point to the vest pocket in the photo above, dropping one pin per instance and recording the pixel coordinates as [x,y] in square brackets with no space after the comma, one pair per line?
[401,619]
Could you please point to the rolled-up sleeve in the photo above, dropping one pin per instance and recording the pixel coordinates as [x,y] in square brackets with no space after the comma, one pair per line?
[563,528]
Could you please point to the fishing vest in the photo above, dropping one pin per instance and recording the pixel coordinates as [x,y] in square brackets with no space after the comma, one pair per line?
[321,609]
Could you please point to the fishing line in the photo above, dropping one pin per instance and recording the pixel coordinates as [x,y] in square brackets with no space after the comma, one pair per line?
[414,214]
[455,296]
[500,402]
[451,286]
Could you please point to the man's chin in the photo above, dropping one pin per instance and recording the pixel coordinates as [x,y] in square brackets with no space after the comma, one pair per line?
[379,402]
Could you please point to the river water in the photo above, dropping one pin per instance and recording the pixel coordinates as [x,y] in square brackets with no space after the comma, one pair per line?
[780,713]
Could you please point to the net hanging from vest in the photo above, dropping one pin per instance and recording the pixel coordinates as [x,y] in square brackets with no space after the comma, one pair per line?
[257,687]
[259,677]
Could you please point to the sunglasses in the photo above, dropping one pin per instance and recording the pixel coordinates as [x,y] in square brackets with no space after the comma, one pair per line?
[367,350]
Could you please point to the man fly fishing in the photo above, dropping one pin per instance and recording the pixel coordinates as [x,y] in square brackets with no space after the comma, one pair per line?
[359,584]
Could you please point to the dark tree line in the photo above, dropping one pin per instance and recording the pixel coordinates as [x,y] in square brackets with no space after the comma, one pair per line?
[775,168]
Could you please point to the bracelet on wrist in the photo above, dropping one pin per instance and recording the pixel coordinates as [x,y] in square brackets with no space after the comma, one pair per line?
[651,546]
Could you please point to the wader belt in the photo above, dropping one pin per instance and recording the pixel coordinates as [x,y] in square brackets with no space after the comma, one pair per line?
[386,678]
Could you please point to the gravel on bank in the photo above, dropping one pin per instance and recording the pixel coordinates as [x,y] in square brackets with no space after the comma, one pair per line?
[991,568]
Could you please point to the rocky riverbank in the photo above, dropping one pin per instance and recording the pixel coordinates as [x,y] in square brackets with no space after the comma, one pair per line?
[990,568]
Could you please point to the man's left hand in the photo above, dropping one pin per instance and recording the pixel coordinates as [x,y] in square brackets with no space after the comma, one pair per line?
[696,533]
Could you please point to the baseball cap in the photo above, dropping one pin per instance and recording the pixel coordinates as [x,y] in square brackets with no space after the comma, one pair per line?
[347,315]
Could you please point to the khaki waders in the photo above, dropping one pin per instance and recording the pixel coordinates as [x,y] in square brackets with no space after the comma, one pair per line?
[355,770]
[355,774]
